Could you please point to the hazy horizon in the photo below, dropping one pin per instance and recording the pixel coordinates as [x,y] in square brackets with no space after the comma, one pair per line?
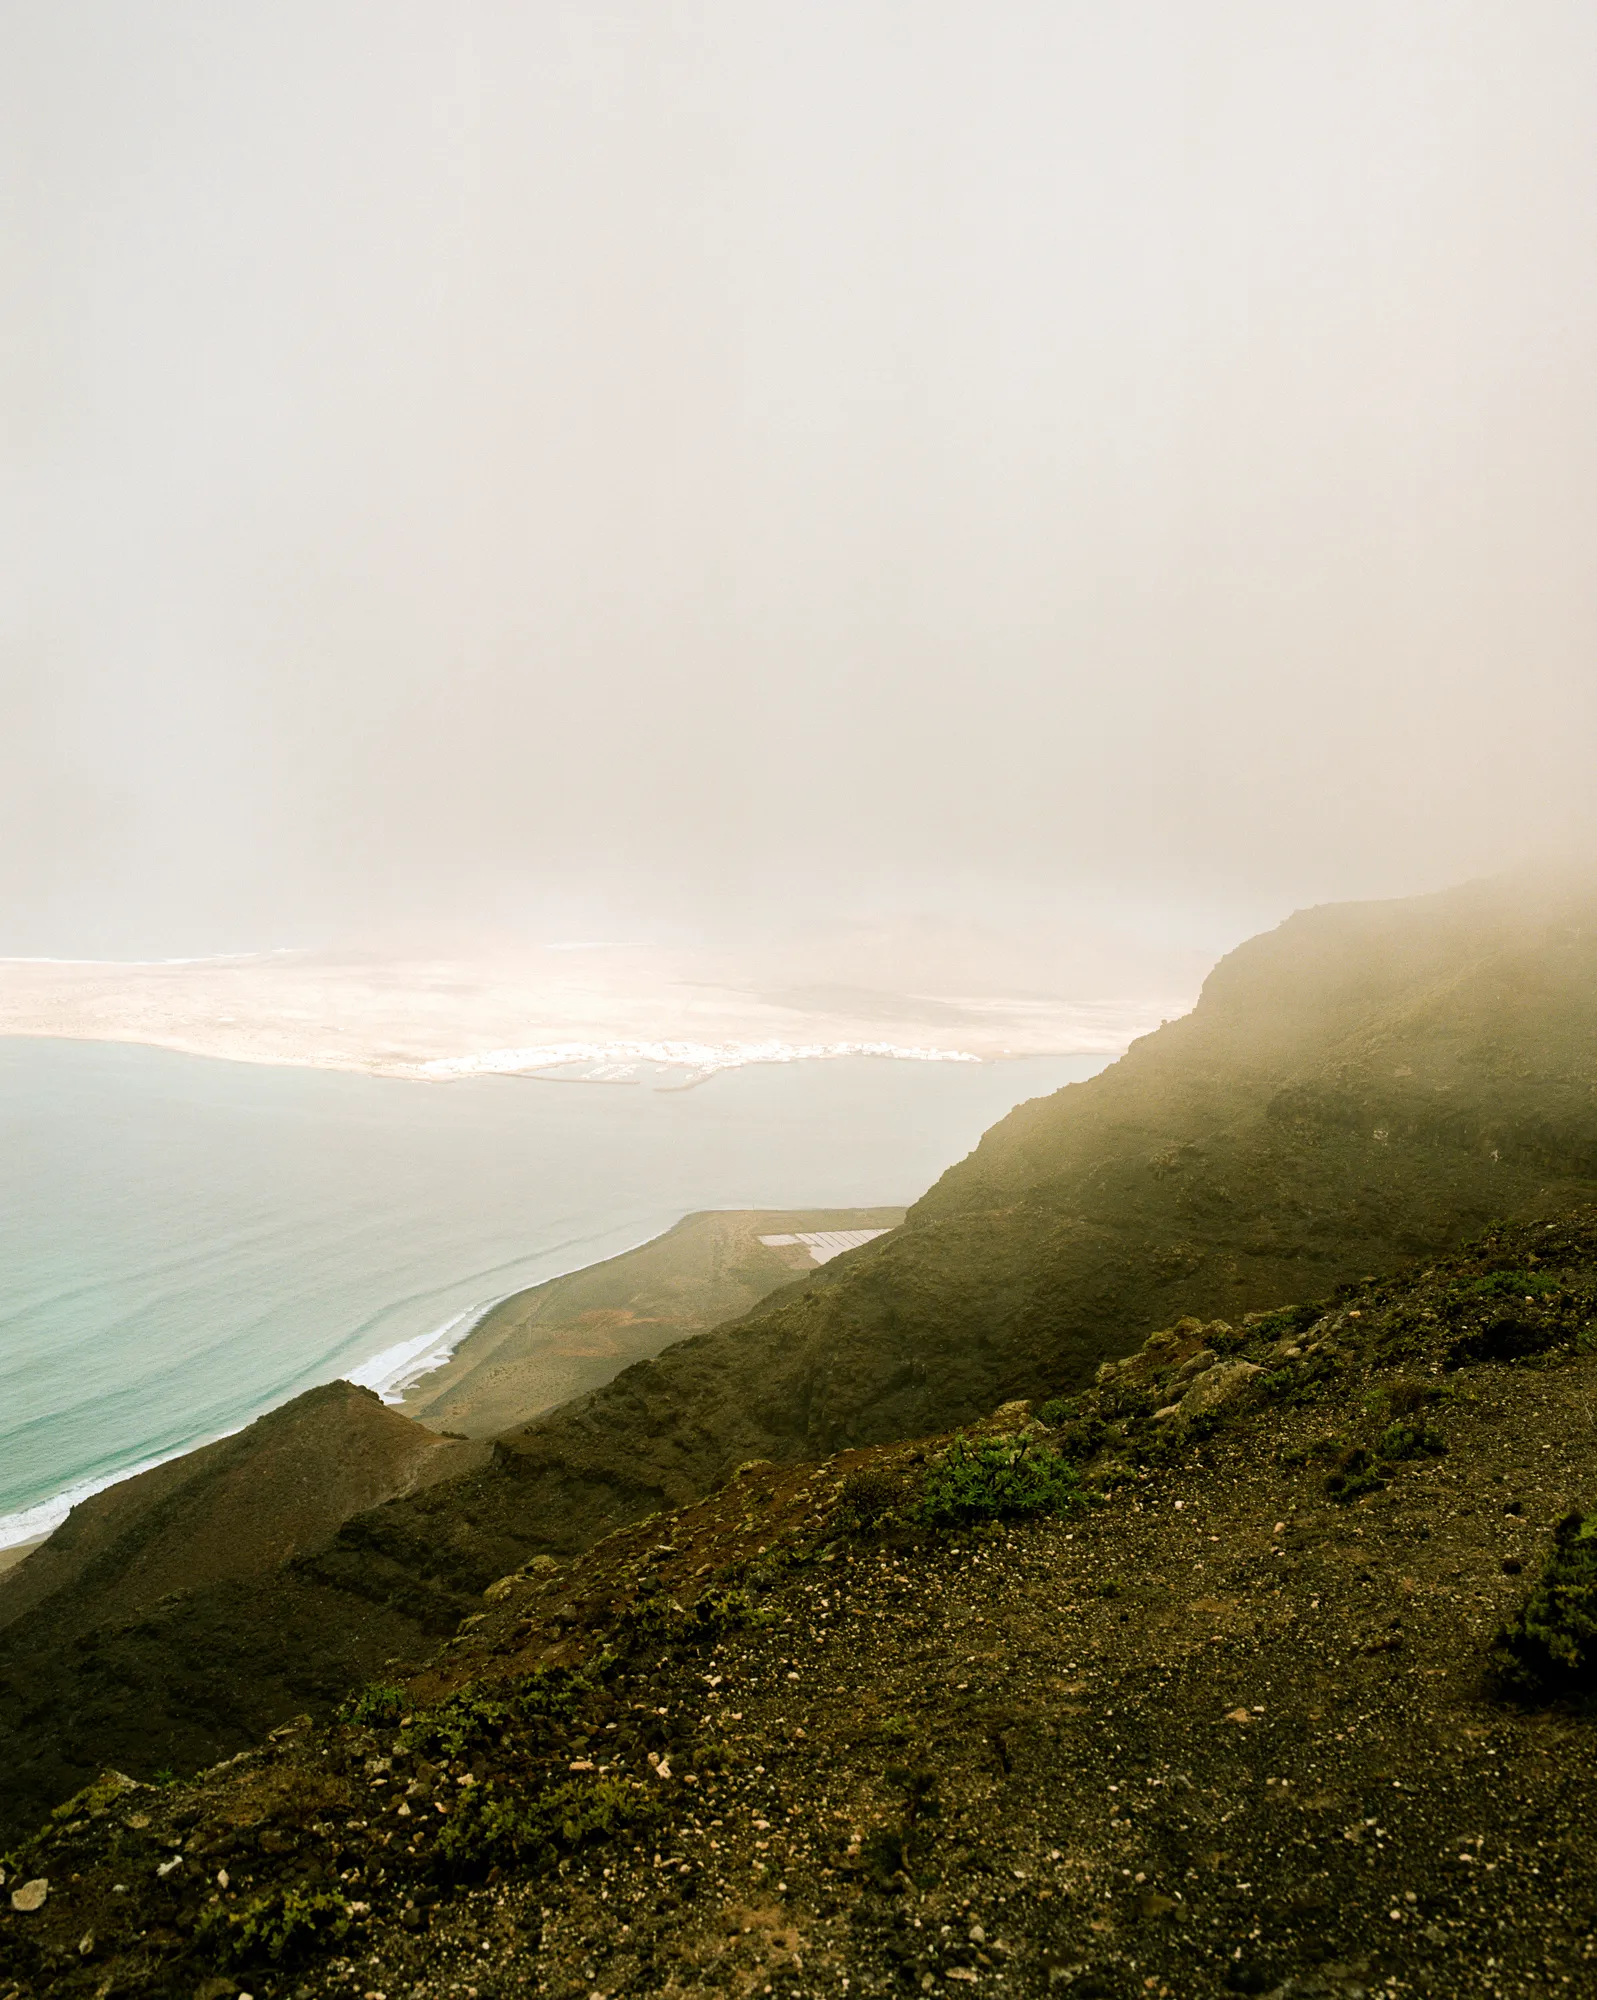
[692,471]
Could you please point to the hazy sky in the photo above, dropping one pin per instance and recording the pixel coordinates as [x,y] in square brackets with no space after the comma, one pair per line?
[600,468]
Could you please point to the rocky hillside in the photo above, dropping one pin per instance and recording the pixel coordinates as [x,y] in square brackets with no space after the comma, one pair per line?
[1263,1665]
[1367,1084]
[147,1628]
[241,1507]
[1364,1085]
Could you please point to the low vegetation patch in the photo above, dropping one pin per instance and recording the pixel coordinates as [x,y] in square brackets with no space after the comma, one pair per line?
[1550,1649]
[1410,1437]
[1075,1437]
[870,1495]
[716,1612]
[379,1706]
[1285,1322]
[496,1827]
[1354,1472]
[1512,1284]
[996,1479]
[482,1713]
[282,1927]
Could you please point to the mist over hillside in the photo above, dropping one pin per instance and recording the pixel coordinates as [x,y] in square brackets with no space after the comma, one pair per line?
[1366,1085]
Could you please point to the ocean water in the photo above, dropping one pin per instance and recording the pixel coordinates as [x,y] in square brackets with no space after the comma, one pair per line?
[185,1242]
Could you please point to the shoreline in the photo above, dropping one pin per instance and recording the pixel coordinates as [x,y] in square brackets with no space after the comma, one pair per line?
[537,1348]
[396,1373]
[393,1371]
[493,1064]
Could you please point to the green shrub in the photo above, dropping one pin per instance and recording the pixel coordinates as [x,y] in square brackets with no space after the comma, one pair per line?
[1509,1285]
[492,1827]
[1411,1438]
[869,1496]
[376,1707]
[1283,1322]
[1079,1440]
[1119,1400]
[281,1927]
[1354,1474]
[716,1612]
[996,1479]
[480,1713]
[1550,1648]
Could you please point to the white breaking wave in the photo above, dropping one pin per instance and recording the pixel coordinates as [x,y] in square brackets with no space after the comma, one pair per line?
[700,1059]
[390,1372]
[393,1371]
[32,1524]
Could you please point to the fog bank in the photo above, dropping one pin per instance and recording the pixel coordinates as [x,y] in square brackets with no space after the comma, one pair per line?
[665,470]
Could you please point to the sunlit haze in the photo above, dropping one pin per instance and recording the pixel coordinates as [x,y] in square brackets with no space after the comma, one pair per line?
[678,472]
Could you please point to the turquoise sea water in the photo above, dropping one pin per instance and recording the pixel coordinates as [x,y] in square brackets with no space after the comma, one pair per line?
[185,1242]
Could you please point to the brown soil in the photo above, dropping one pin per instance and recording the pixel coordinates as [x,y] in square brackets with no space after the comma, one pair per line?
[163,1622]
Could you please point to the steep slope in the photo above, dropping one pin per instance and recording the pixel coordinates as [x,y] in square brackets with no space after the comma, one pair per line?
[240,1507]
[1220,1702]
[1365,1084]
[161,1621]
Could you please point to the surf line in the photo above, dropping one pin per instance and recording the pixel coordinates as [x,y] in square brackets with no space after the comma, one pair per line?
[395,1370]
[390,1373]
